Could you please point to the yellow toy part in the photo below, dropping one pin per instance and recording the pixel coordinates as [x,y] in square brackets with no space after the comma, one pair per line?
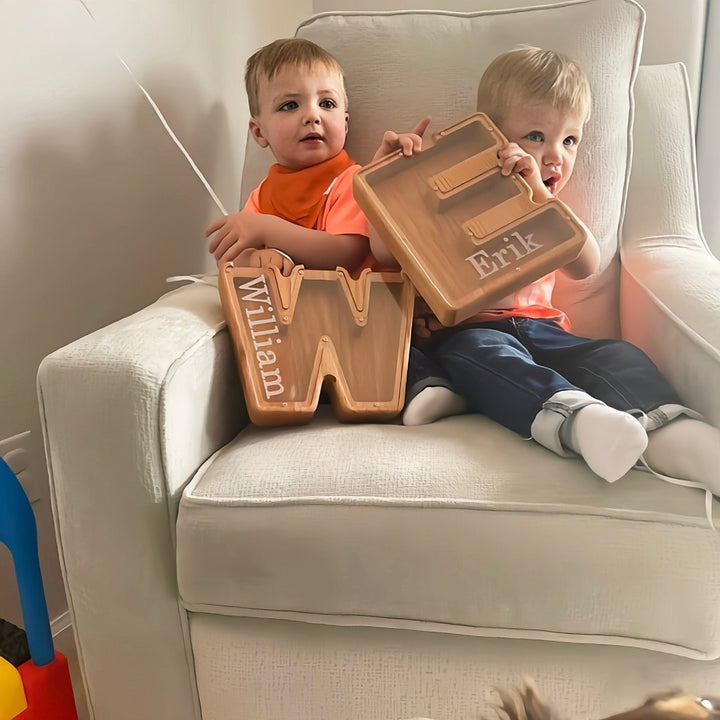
[12,693]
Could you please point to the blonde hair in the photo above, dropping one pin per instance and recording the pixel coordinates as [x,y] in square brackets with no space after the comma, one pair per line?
[269,60]
[531,74]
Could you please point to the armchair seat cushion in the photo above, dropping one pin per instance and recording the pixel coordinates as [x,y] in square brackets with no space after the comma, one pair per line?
[379,525]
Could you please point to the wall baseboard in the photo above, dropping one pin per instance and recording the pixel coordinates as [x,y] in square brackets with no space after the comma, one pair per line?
[61,624]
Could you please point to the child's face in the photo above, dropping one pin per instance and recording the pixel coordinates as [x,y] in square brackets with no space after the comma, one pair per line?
[302,116]
[550,135]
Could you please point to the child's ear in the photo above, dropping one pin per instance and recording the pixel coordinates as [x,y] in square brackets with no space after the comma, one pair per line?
[347,122]
[257,133]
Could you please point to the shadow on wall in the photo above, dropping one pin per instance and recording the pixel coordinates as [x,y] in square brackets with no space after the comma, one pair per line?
[102,222]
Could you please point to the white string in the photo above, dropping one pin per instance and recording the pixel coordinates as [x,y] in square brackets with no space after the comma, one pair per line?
[202,279]
[643,465]
[167,127]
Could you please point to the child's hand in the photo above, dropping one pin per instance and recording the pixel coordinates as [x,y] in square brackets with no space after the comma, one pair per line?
[251,257]
[409,143]
[237,232]
[420,328]
[513,159]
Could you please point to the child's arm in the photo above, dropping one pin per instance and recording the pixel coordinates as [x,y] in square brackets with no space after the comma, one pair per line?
[513,159]
[409,143]
[587,262]
[315,249]
[380,252]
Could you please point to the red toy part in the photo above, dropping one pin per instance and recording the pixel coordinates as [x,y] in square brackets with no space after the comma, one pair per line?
[48,691]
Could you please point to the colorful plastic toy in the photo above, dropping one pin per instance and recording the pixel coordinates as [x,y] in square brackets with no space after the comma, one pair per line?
[466,235]
[292,334]
[39,689]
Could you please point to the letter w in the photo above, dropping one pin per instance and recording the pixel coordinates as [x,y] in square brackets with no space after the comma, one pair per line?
[257,287]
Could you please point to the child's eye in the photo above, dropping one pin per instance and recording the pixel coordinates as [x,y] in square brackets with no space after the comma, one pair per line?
[328,104]
[289,105]
[535,136]
[570,140]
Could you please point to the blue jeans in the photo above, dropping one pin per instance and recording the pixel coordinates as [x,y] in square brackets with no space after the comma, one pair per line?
[508,368]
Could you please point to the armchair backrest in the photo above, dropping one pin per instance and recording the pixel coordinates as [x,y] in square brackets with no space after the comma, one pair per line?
[401,66]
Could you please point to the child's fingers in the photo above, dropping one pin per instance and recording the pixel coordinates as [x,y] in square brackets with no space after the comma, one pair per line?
[508,165]
[217,236]
[389,140]
[258,258]
[420,328]
[408,144]
[512,159]
[223,247]
[215,226]
[212,245]
[248,258]
[228,256]
[524,166]
[511,150]
[217,239]
[421,127]
[229,250]
[416,142]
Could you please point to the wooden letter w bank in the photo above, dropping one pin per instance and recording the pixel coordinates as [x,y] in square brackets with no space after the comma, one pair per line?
[293,335]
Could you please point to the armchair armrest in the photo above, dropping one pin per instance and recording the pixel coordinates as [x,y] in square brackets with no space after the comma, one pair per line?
[128,415]
[670,287]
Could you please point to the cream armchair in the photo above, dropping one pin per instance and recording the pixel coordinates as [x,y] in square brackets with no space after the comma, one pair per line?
[218,570]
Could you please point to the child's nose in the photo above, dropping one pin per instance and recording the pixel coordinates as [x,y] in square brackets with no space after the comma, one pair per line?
[312,116]
[552,155]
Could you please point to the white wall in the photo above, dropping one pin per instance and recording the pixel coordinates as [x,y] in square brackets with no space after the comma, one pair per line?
[97,205]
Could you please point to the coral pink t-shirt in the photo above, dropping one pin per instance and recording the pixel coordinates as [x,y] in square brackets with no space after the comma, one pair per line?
[533,301]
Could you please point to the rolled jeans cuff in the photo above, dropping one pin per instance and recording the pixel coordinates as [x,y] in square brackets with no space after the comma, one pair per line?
[545,428]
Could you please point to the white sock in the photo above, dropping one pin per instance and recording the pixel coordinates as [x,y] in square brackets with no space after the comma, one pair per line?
[432,403]
[610,441]
[686,449]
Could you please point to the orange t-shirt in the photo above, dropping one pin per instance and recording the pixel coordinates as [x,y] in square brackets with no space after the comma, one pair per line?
[341,214]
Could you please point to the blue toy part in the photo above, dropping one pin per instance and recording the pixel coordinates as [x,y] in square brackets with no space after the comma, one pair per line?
[19,532]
